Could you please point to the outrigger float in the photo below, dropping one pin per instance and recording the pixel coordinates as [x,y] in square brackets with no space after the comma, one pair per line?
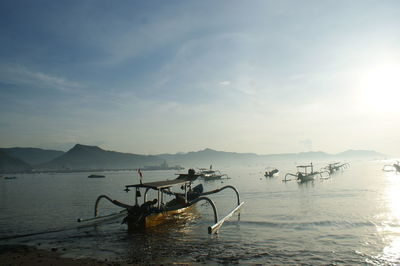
[303,173]
[334,167]
[154,212]
[392,167]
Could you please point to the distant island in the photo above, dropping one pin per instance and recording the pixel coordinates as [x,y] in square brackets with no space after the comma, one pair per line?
[84,158]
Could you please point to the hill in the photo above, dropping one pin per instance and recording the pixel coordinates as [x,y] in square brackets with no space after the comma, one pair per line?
[360,154]
[32,155]
[208,156]
[82,157]
[11,164]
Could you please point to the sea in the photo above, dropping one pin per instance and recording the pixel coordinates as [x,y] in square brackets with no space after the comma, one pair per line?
[349,218]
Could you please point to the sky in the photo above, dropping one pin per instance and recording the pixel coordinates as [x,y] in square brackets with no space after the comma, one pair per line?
[152,77]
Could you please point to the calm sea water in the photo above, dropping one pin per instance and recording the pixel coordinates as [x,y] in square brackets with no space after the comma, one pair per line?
[351,218]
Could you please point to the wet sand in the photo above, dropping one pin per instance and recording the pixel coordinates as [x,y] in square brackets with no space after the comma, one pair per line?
[27,256]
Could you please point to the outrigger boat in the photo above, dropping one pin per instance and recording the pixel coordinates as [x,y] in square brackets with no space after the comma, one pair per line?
[392,167]
[334,167]
[96,176]
[154,212]
[271,172]
[210,174]
[303,174]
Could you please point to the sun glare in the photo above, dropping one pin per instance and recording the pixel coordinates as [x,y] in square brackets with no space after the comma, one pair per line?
[389,229]
[378,88]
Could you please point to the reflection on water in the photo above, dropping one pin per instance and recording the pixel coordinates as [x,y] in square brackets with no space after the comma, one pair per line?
[390,227]
[351,218]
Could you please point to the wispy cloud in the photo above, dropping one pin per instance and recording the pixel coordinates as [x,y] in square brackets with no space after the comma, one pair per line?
[225,83]
[20,75]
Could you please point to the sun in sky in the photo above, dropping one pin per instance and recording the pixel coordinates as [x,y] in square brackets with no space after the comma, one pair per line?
[379,88]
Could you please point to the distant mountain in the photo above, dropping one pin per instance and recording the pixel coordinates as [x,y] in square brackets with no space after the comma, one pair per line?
[11,164]
[298,156]
[208,156]
[32,155]
[360,154]
[82,157]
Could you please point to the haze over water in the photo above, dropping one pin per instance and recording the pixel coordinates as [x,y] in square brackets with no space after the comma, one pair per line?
[350,218]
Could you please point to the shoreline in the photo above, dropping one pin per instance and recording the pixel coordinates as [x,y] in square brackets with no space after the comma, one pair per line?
[25,255]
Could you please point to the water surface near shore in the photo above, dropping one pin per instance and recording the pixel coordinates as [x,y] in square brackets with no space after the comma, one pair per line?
[351,218]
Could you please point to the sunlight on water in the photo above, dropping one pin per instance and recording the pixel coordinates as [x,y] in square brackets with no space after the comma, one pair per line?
[391,225]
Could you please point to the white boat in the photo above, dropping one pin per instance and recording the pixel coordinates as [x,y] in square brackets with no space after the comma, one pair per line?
[392,167]
[210,174]
[304,173]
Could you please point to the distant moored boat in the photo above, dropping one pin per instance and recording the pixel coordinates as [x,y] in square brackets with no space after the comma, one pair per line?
[96,176]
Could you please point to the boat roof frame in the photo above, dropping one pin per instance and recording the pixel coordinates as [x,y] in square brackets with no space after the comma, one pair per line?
[304,166]
[157,185]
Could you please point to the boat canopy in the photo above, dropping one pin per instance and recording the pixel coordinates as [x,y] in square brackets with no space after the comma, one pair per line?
[161,184]
[304,166]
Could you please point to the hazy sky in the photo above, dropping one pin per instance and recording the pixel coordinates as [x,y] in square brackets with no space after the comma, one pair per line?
[168,76]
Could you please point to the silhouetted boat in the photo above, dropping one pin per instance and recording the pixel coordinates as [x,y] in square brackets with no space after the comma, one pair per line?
[271,173]
[96,176]
[334,167]
[303,174]
[210,174]
[392,167]
[154,212]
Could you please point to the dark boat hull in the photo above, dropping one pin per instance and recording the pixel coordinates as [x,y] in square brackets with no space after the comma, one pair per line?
[96,176]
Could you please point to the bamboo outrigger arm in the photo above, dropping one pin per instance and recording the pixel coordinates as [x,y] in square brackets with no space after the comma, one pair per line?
[289,179]
[115,202]
[217,224]
[220,189]
[97,219]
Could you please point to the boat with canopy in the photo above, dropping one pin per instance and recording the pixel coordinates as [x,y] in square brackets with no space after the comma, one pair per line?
[304,173]
[210,174]
[153,212]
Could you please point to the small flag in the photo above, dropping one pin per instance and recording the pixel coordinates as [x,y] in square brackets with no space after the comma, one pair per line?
[140,175]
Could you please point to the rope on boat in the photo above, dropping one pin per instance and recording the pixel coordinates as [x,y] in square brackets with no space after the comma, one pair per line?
[96,219]
[93,221]
[37,233]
